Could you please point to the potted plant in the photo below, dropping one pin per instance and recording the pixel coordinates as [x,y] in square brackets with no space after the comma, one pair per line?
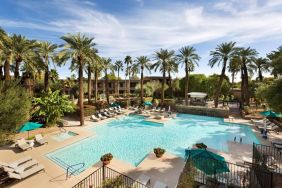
[159,152]
[201,145]
[106,159]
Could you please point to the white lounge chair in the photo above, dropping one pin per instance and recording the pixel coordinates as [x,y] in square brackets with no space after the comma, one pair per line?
[10,167]
[22,144]
[162,110]
[143,179]
[40,140]
[101,117]
[94,118]
[159,184]
[33,170]
[25,166]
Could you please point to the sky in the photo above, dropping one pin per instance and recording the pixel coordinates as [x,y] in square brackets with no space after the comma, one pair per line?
[141,27]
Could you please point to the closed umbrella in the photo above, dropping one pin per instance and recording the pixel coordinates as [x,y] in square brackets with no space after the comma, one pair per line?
[207,161]
[28,126]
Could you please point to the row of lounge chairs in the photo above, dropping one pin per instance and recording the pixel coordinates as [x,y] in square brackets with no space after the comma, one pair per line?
[21,168]
[24,145]
[145,180]
[270,126]
[107,113]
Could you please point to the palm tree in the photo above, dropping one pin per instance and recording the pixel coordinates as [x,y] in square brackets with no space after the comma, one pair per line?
[245,56]
[8,53]
[47,53]
[172,67]
[163,57]
[189,58]
[276,59]
[234,68]
[222,54]
[261,65]
[90,68]
[142,62]
[78,48]
[107,66]
[2,34]
[97,68]
[127,61]
[118,67]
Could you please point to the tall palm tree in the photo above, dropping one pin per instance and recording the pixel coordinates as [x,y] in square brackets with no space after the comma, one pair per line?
[245,56]
[47,54]
[189,58]
[90,69]
[234,68]
[142,62]
[261,65]
[275,58]
[118,67]
[97,68]
[2,34]
[8,53]
[106,67]
[78,48]
[222,54]
[127,62]
[24,52]
[172,67]
[163,57]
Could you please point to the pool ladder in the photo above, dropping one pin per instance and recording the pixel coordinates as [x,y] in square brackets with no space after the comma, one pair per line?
[69,173]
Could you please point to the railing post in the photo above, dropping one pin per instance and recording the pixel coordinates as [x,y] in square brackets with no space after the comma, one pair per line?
[103,171]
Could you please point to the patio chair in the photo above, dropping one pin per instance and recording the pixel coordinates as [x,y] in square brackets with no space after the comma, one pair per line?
[162,110]
[270,127]
[25,166]
[101,116]
[10,167]
[159,184]
[143,179]
[26,173]
[110,112]
[106,114]
[40,140]
[23,145]
[94,118]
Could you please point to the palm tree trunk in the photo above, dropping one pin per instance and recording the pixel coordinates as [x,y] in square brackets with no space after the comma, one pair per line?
[46,78]
[170,84]
[107,87]
[89,85]
[141,84]
[126,74]
[163,84]
[80,101]
[246,85]
[242,89]
[7,70]
[96,85]
[1,73]
[260,75]
[186,84]
[118,85]
[129,84]
[17,67]
[218,91]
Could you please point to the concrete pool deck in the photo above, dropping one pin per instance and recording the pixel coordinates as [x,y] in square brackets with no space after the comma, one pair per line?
[166,169]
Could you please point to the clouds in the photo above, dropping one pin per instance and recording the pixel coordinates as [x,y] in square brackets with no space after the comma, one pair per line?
[146,27]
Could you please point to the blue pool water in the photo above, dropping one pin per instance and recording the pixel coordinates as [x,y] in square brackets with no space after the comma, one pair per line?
[130,138]
[63,136]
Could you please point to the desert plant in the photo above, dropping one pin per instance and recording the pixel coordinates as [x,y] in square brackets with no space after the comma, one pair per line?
[201,145]
[247,110]
[112,183]
[159,152]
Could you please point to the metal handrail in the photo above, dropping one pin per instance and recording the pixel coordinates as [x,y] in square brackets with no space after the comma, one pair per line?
[71,166]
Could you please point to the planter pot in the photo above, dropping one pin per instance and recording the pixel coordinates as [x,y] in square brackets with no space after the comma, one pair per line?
[159,155]
[105,163]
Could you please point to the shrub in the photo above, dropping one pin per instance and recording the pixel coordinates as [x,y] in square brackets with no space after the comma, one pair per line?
[247,110]
[169,102]
[107,157]
[101,105]
[124,104]
[15,107]
[112,183]
[201,145]
[52,106]
[89,110]
[159,151]
[186,179]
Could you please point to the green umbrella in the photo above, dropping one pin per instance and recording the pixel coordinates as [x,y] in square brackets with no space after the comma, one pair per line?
[207,161]
[270,113]
[28,126]
[148,103]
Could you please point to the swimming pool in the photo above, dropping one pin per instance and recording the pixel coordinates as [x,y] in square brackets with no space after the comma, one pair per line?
[130,138]
[63,136]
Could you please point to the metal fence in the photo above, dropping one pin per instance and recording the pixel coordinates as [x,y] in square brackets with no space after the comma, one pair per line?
[267,157]
[213,174]
[106,177]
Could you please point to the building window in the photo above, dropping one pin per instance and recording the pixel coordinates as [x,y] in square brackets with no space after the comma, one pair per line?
[120,84]
[110,84]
